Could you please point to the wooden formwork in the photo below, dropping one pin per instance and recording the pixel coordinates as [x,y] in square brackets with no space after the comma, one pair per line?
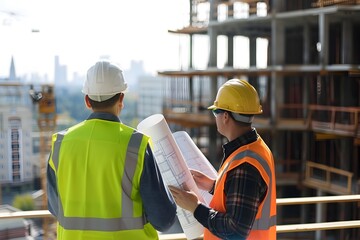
[324,3]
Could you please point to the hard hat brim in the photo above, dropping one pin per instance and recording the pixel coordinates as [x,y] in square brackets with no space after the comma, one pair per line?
[212,107]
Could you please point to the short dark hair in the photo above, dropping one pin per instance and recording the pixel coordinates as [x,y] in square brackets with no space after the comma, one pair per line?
[105,104]
[240,123]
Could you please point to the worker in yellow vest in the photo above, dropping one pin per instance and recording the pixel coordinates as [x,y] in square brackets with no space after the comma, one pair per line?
[244,193]
[103,181]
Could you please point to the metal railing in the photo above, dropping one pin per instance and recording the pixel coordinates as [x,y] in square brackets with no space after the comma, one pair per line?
[301,227]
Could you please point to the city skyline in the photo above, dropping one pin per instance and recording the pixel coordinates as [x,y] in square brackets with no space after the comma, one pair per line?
[61,77]
[36,31]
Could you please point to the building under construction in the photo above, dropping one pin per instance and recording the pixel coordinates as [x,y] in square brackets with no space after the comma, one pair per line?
[309,88]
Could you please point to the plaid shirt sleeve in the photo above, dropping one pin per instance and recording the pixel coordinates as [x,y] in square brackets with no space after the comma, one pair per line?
[244,190]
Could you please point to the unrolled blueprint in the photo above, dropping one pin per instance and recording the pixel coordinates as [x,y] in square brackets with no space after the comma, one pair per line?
[195,159]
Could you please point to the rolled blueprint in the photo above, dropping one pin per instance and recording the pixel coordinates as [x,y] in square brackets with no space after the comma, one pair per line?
[173,167]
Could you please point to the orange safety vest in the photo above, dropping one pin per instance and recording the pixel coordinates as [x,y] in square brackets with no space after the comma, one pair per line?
[260,156]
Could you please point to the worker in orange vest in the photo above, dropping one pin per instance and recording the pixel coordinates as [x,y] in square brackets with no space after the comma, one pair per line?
[244,193]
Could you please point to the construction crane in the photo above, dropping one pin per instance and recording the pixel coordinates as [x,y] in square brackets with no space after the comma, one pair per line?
[47,124]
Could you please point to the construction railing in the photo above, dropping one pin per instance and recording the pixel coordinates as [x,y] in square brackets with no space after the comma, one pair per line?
[301,227]
[341,120]
[328,178]
[324,3]
[330,119]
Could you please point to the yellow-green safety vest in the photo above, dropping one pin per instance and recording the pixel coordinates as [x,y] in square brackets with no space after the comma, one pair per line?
[98,165]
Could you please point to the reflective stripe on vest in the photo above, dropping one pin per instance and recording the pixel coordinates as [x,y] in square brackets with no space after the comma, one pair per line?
[127,221]
[262,223]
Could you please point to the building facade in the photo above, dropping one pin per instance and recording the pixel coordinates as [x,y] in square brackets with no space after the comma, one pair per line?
[16,128]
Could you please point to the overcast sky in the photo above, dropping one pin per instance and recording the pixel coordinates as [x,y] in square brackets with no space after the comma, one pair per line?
[80,31]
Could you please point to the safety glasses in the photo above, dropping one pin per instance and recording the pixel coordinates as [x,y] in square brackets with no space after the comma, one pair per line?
[217,111]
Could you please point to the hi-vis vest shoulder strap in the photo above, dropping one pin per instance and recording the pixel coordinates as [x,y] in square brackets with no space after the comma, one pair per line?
[106,224]
[258,155]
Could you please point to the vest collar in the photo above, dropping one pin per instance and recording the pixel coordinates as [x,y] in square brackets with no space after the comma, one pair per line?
[103,116]
[230,147]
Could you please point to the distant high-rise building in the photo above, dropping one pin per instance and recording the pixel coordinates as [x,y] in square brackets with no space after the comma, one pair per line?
[60,73]
[132,75]
[150,90]
[77,79]
[12,74]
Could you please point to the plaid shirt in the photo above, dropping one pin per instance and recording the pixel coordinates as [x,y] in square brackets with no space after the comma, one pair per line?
[244,190]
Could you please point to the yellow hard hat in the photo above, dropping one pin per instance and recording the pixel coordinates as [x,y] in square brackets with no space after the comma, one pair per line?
[237,96]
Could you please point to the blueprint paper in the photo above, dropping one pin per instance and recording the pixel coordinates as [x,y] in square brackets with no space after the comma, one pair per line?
[173,166]
[195,159]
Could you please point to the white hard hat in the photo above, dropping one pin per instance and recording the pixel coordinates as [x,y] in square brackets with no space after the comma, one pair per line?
[104,80]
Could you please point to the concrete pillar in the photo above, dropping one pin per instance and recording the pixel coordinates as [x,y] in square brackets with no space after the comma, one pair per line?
[190,79]
[320,215]
[277,43]
[230,60]
[252,56]
[347,42]
[276,82]
[323,39]
[252,49]
[306,60]
[306,40]
[212,36]
[277,5]
[346,99]
[213,147]
[277,58]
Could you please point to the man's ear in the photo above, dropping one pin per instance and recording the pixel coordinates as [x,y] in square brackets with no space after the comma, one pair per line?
[226,117]
[87,102]
[122,97]
[121,100]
